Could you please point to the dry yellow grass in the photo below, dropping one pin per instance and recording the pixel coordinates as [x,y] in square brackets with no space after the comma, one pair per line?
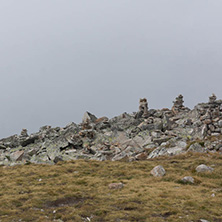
[78,191]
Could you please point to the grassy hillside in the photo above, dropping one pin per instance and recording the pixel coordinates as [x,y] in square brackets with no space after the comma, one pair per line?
[78,191]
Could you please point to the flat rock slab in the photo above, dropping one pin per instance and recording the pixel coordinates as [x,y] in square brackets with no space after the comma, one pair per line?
[17,156]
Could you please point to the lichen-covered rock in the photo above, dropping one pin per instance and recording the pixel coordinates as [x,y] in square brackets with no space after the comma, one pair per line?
[158,171]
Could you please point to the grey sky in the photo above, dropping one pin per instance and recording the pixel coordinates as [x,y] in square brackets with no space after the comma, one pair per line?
[59,58]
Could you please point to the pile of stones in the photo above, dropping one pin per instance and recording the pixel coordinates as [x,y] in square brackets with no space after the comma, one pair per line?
[210,116]
[178,105]
[141,135]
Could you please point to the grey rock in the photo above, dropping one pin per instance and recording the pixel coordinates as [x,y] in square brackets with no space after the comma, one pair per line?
[196,147]
[88,118]
[188,179]
[220,123]
[58,159]
[161,139]
[10,142]
[17,156]
[132,143]
[29,140]
[120,156]
[52,150]
[115,186]
[182,144]
[175,151]
[157,152]
[203,168]
[204,130]
[2,147]
[158,171]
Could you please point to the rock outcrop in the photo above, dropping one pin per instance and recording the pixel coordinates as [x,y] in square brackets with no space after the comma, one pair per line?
[146,134]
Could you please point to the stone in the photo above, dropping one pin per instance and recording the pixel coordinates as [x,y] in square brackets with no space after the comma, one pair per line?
[29,140]
[188,122]
[53,150]
[182,144]
[204,130]
[143,109]
[159,151]
[203,168]
[17,156]
[75,141]
[211,128]
[220,123]
[175,151]
[88,118]
[58,159]
[178,104]
[212,98]
[141,156]
[158,171]
[2,147]
[188,179]
[121,156]
[207,121]
[102,120]
[196,147]
[115,186]
[161,139]
[24,133]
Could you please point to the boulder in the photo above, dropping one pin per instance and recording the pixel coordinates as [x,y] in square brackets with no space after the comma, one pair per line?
[203,168]
[17,156]
[159,151]
[158,171]
[29,140]
[196,147]
[88,118]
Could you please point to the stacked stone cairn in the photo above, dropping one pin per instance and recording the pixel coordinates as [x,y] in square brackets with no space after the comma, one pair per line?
[210,115]
[143,109]
[24,134]
[178,105]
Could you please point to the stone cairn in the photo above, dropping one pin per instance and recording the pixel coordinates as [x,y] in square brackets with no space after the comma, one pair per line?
[24,134]
[210,115]
[143,109]
[178,105]
[212,99]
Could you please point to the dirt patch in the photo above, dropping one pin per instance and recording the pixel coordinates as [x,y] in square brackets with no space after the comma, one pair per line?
[66,201]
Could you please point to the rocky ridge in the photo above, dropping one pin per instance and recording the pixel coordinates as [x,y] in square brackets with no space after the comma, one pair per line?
[141,135]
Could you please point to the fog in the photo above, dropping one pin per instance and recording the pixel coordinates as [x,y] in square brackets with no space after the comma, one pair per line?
[59,59]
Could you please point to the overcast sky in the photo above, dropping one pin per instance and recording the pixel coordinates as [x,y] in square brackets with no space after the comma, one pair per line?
[59,58]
